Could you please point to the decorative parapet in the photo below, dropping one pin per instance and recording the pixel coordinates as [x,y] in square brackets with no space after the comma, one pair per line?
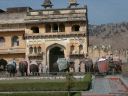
[12,50]
[56,15]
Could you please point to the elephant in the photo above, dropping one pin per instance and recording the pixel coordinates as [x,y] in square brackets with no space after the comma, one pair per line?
[101,66]
[23,68]
[34,69]
[88,64]
[11,68]
[115,66]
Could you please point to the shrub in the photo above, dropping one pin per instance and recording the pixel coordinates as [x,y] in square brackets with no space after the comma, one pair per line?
[77,94]
[50,85]
[36,94]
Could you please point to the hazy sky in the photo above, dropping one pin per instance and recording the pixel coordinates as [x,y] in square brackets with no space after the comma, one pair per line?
[100,11]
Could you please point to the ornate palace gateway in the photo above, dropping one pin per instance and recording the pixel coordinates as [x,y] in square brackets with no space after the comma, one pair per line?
[56,33]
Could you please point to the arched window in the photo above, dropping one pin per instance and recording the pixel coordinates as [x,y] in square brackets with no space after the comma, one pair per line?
[48,28]
[31,50]
[80,49]
[72,49]
[15,41]
[75,28]
[35,50]
[2,41]
[39,49]
[35,29]
[62,27]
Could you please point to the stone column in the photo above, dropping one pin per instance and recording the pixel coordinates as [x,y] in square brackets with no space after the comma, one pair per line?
[58,27]
[77,66]
[27,58]
[51,28]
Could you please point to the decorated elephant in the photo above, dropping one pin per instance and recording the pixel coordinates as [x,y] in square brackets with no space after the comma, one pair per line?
[23,68]
[34,68]
[11,68]
[102,66]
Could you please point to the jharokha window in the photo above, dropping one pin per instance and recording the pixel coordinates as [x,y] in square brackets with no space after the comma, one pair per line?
[55,27]
[35,29]
[34,50]
[31,50]
[75,28]
[2,41]
[15,41]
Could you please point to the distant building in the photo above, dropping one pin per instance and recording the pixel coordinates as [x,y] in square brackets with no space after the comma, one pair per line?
[44,35]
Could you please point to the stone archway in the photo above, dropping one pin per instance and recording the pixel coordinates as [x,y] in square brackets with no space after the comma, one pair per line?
[54,52]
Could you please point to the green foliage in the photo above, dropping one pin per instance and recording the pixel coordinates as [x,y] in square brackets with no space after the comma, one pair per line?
[87,77]
[69,81]
[35,86]
[88,80]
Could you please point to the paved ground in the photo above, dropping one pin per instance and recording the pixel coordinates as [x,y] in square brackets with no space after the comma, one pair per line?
[125,81]
[101,85]
[108,86]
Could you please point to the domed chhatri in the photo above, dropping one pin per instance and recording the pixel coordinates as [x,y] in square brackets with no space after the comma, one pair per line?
[73,3]
[47,4]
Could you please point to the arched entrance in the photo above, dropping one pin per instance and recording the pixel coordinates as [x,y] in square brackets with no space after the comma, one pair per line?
[3,64]
[55,53]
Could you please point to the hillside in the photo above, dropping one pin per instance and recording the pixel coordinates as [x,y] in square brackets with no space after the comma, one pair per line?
[112,34]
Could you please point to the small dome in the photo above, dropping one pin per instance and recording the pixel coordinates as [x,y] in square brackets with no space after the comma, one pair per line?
[47,3]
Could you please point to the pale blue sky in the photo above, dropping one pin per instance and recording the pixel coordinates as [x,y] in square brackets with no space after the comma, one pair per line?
[100,11]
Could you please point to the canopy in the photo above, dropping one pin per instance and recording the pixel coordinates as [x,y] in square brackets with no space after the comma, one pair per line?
[102,59]
[62,64]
